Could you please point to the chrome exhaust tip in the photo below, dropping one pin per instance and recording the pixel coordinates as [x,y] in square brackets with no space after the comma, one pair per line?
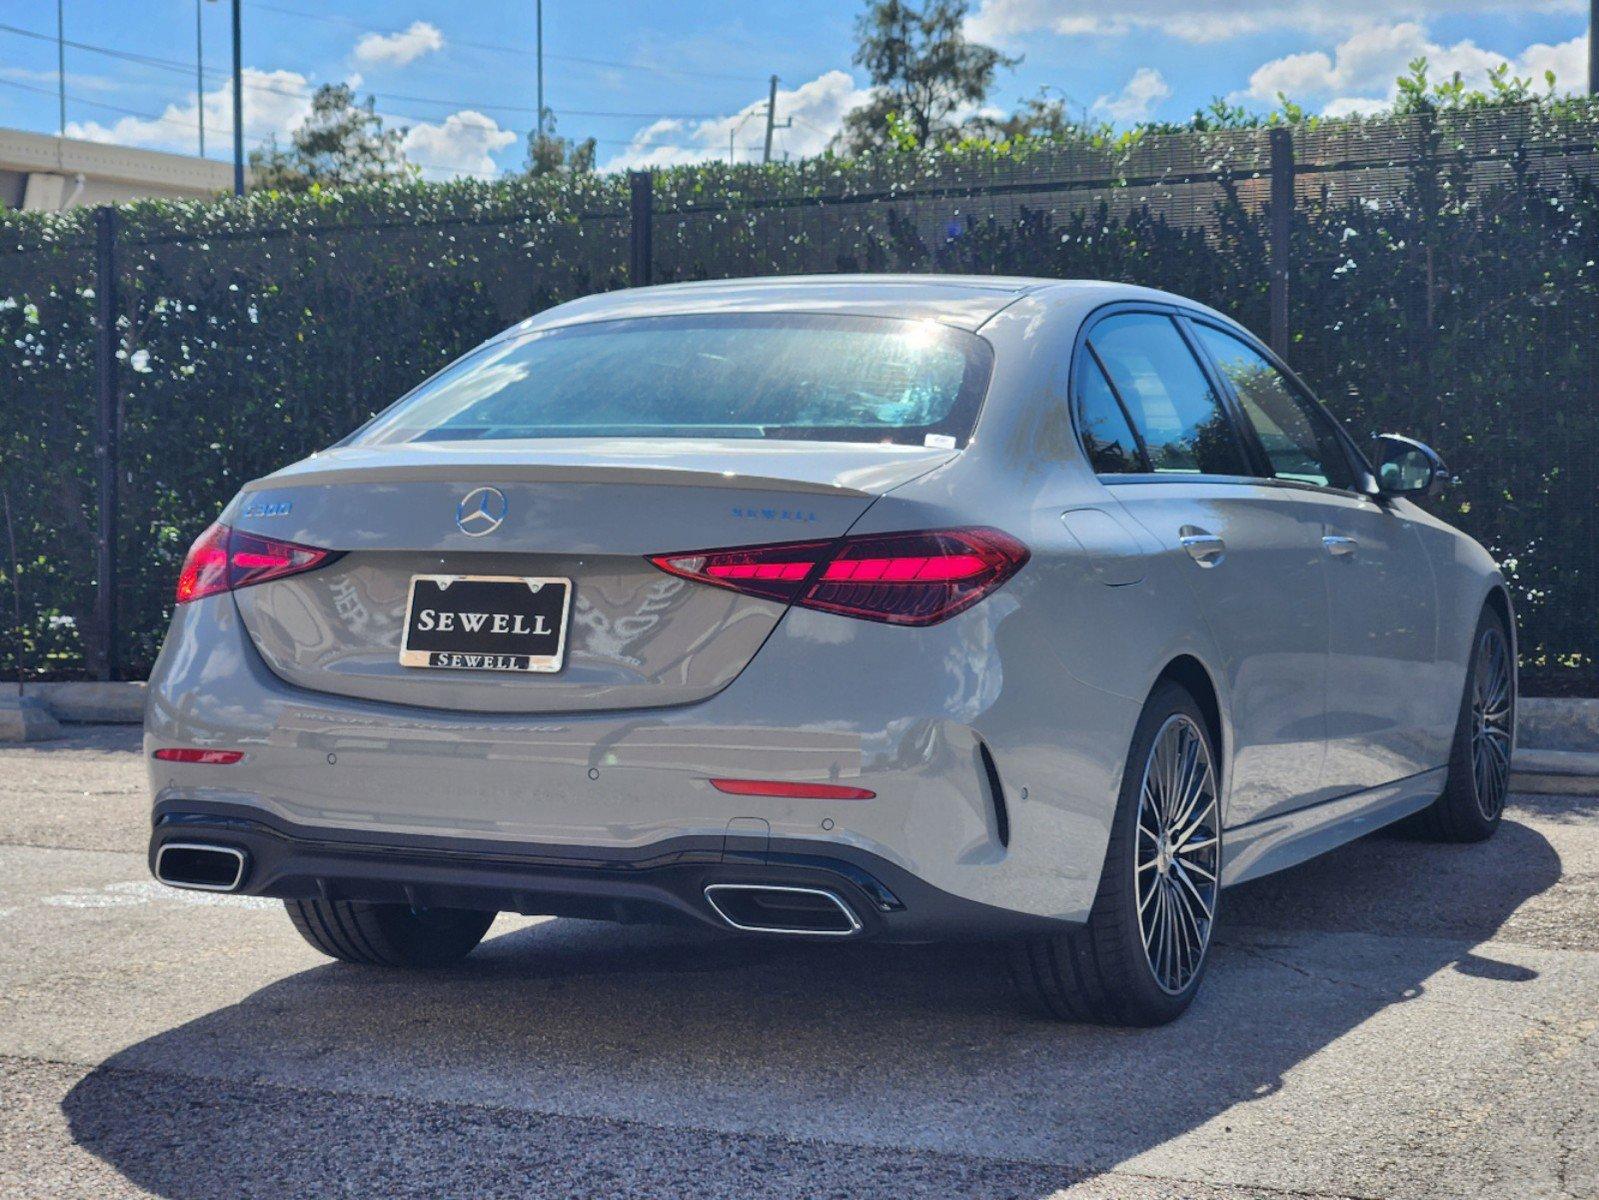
[200,867]
[776,908]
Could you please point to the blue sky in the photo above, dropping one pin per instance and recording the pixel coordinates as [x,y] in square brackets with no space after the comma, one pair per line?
[661,83]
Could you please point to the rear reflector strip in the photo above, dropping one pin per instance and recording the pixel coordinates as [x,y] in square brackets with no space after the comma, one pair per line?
[790,789]
[188,754]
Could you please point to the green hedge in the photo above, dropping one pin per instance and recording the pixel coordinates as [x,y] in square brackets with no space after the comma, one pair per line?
[1443,284]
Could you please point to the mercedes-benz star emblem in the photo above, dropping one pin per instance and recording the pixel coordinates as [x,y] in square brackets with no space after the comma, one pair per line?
[481,511]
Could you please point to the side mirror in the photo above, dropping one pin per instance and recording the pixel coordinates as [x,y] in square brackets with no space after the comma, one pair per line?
[1406,467]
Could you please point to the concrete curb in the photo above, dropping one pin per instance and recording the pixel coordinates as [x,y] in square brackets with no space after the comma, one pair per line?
[91,702]
[1555,772]
[25,719]
[1558,723]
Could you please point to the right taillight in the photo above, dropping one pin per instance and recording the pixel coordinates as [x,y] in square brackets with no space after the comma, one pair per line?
[223,558]
[915,578]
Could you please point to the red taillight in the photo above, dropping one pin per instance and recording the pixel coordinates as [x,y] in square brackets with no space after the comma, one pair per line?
[916,578]
[789,789]
[188,754]
[222,559]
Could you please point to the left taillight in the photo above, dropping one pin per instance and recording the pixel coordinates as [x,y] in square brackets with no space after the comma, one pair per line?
[223,558]
[913,578]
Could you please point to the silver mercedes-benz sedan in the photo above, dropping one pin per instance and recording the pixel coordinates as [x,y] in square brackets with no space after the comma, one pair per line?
[853,607]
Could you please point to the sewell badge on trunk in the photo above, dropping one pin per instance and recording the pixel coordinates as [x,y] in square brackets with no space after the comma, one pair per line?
[486,623]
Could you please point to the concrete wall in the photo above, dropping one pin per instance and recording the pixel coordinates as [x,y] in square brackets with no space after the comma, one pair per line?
[45,173]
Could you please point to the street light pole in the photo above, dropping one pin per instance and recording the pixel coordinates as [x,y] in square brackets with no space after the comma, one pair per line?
[238,105]
[538,17]
[199,73]
[61,64]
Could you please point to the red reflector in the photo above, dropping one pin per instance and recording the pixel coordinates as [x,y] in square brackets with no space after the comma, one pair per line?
[222,559]
[917,578]
[788,788]
[185,754]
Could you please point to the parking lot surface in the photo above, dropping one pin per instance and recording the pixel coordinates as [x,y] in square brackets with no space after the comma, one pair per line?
[1397,1019]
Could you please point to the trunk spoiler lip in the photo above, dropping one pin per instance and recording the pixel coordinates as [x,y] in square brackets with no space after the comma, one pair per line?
[872,479]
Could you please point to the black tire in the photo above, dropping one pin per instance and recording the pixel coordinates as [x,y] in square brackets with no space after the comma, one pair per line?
[1473,801]
[1101,972]
[389,935]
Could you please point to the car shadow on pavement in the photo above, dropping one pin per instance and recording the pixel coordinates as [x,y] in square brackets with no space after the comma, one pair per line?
[519,1064]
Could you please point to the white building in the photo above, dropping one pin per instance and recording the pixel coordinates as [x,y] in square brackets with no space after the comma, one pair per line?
[43,172]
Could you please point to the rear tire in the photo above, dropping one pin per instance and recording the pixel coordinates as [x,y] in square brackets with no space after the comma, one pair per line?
[1473,799]
[1141,955]
[389,935]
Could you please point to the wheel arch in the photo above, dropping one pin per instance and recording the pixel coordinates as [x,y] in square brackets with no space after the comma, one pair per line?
[1498,599]
[1195,678]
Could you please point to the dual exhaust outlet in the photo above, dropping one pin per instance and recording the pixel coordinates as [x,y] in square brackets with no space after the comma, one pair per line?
[749,907]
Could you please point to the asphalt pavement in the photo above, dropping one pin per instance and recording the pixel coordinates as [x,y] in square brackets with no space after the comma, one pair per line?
[1397,1019]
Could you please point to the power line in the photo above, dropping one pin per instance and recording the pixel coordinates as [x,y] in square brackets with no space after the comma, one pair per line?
[177,66]
[116,108]
[522,52]
[264,141]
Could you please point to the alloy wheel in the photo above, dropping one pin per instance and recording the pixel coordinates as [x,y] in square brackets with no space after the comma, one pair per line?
[1177,854]
[1492,709]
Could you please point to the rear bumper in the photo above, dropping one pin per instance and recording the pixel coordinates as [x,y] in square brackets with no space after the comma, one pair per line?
[916,716]
[663,882]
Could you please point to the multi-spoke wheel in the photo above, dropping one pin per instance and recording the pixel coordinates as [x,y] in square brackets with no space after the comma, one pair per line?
[1141,955]
[1491,695]
[1177,853]
[1479,763]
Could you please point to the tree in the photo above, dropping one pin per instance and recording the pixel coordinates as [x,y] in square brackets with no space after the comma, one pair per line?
[548,154]
[1040,118]
[923,71]
[341,141]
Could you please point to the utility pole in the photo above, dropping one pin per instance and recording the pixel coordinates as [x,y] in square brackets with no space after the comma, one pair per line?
[771,118]
[538,11]
[199,73]
[61,64]
[238,104]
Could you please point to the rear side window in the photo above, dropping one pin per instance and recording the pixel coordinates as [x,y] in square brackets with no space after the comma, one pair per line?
[1297,436]
[734,375]
[1107,438]
[1168,396]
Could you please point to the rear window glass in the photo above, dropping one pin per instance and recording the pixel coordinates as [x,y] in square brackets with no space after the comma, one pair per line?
[851,379]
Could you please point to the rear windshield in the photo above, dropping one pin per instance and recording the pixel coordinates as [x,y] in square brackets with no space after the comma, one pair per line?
[843,379]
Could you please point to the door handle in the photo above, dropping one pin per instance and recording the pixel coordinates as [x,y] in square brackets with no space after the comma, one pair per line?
[1339,546]
[1204,547]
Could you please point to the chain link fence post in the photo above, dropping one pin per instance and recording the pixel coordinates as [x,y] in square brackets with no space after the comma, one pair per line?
[106,448]
[1282,212]
[641,254]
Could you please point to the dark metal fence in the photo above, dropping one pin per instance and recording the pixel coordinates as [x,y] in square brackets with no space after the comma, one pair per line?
[1433,274]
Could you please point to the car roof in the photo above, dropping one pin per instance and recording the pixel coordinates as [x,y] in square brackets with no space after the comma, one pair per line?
[964,301]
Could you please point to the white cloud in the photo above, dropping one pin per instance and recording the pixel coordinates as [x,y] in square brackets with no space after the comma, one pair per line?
[1010,22]
[1359,75]
[274,103]
[817,109]
[399,49]
[462,144]
[1136,101]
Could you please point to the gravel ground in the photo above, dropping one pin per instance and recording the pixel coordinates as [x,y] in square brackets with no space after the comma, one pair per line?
[1396,1019]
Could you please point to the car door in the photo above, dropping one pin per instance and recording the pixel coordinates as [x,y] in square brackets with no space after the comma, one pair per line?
[1381,723]
[1167,445]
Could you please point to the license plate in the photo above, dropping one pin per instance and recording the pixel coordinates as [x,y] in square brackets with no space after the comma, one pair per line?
[486,623]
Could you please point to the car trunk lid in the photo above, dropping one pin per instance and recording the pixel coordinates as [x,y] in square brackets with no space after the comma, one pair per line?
[586,510]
